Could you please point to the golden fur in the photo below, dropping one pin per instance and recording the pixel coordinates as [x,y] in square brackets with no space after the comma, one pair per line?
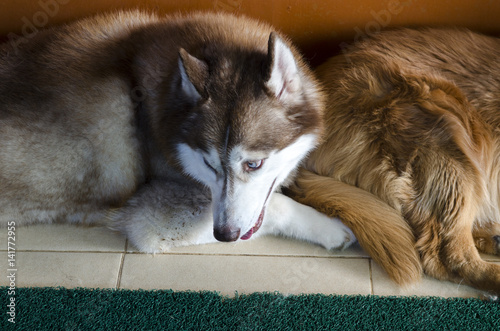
[410,158]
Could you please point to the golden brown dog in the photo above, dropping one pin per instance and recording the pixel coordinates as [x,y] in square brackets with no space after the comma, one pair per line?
[411,154]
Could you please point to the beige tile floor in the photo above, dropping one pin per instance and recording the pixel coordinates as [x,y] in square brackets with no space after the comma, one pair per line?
[71,256]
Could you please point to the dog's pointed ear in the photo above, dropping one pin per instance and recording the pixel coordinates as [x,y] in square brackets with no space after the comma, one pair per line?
[283,79]
[193,75]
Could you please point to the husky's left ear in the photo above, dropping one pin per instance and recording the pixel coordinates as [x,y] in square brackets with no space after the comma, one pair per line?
[193,75]
[282,75]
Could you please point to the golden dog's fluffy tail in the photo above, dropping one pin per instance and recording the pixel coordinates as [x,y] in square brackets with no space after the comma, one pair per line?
[380,229]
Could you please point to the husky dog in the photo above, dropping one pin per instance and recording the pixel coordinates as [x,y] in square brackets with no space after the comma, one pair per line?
[174,130]
[411,155]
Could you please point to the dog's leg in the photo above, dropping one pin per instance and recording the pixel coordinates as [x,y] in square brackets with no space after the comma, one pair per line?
[380,229]
[449,183]
[446,242]
[165,214]
[288,218]
[443,215]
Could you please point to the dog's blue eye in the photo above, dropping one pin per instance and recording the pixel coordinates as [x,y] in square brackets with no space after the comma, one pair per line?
[253,165]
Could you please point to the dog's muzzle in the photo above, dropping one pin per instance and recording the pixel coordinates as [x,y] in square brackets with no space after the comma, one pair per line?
[228,234]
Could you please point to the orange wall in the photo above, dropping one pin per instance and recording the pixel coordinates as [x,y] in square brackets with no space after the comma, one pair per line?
[309,22]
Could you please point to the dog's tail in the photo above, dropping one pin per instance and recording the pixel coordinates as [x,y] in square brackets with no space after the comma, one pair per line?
[380,229]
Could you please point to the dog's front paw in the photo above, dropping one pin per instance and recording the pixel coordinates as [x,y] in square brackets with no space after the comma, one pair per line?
[162,216]
[143,233]
[337,236]
[149,240]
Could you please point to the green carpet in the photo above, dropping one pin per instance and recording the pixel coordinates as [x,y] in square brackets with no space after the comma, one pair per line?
[98,309]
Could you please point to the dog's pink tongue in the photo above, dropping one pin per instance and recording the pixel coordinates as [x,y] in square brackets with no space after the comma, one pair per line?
[247,235]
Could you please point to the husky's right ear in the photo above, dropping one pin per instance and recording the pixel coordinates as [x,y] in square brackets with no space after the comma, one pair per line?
[282,74]
[193,76]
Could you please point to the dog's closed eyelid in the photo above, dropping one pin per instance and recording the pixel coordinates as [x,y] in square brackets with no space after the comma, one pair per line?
[209,165]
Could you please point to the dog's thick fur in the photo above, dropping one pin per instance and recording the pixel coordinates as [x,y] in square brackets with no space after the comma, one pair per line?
[411,156]
[116,118]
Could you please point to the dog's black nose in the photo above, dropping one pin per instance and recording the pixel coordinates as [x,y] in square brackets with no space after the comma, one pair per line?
[226,234]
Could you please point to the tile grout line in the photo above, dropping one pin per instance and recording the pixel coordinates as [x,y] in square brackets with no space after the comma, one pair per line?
[120,270]
[356,257]
[68,251]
